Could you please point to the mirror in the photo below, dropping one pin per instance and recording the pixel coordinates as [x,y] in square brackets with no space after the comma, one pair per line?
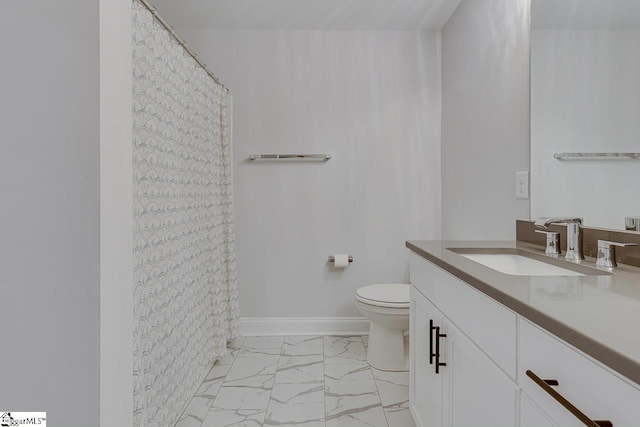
[585,98]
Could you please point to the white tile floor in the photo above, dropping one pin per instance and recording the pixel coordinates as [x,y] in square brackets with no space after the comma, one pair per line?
[299,381]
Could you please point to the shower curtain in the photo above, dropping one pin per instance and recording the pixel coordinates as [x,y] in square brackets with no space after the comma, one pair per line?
[185,292]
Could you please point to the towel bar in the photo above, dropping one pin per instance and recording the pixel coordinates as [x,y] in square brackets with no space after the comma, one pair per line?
[320,157]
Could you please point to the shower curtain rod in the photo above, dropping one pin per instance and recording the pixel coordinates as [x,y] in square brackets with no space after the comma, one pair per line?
[182,43]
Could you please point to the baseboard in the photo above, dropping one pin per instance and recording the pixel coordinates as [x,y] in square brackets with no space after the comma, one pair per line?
[256,326]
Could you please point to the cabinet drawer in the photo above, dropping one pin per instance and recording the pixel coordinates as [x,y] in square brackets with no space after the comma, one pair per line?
[490,325]
[594,390]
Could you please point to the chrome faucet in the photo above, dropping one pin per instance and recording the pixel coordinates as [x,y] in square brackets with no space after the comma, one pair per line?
[574,237]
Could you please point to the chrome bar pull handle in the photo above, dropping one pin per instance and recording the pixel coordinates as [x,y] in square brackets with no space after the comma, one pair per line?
[546,386]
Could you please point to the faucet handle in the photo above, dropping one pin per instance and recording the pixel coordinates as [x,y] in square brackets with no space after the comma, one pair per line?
[607,252]
[553,242]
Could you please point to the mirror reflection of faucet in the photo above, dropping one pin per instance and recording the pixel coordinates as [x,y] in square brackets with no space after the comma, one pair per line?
[570,290]
[604,282]
[632,223]
[574,236]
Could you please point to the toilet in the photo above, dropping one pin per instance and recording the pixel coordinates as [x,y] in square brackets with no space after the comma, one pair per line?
[387,307]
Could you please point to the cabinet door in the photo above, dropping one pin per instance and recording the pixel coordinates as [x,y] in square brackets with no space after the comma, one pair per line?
[425,388]
[476,392]
[531,416]
[490,325]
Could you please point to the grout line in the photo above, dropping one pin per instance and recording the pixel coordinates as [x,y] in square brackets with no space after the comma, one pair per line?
[225,379]
[266,410]
[375,382]
[324,384]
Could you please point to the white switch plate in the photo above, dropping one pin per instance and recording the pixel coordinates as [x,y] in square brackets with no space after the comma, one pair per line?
[522,185]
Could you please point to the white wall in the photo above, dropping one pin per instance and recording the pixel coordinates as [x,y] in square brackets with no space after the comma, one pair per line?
[50,215]
[371,98]
[585,93]
[116,220]
[485,118]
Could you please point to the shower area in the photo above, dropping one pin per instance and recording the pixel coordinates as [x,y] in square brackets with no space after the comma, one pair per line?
[185,299]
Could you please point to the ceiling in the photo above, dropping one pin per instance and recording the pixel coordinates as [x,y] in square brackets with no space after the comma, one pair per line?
[306,14]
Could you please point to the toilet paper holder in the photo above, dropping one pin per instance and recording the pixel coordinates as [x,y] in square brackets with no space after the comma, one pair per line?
[333,259]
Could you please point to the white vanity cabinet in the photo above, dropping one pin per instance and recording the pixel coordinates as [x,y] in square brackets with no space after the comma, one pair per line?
[470,388]
[493,357]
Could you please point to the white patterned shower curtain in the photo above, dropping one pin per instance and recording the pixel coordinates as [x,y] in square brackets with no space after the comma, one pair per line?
[185,291]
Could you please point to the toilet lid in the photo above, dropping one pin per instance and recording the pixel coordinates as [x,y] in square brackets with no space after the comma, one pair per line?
[384,294]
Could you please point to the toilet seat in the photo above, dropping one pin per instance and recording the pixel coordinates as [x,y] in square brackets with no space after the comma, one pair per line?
[391,295]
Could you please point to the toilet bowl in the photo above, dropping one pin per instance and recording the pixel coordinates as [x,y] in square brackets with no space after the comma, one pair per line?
[387,307]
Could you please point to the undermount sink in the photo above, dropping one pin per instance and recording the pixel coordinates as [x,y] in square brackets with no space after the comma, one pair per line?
[517,262]
[518,265]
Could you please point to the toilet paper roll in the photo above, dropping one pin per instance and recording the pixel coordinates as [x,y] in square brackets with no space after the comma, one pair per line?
[341,260]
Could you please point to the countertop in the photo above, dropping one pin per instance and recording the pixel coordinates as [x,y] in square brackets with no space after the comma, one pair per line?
[598,314]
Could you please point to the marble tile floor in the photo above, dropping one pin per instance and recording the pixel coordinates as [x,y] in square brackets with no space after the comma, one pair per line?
[310,381]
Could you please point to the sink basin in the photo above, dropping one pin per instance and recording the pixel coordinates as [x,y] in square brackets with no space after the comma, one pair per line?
[518,265]
[517,262]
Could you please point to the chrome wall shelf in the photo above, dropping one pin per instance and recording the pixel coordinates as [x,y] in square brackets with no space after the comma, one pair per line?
[290,157]
[595,156]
